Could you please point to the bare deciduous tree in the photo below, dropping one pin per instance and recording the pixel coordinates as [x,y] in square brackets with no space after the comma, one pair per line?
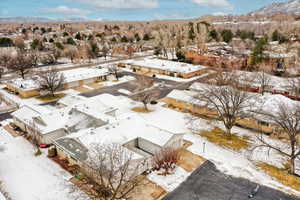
[19,43]
[228,102]
[114,70]
[5,57]
[51,81]
[143,93]
[33,137]
[115,170]
[21,63]
[130,51]
[263,80]
[293,85]
[223,78]
[71,53]
[105,51]
[48,59]
[287,120]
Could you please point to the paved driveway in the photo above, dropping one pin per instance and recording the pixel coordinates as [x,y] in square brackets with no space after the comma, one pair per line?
[207,183]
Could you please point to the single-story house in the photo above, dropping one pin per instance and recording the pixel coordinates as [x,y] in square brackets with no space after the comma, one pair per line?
[70,100]
[50,125]
[140,138]
[73,78]
[185,101]
[165,67]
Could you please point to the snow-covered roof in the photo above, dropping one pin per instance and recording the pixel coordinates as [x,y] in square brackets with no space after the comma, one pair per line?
[27,112]
[128,128]
[95,107]
[181,95]
[87,113]
[267,103]
[167,65]
[125,130]
[279,55]
[252,79]
[270,104]
[69,100]
[84,73]
[24,84]
[196,86]
[70,76]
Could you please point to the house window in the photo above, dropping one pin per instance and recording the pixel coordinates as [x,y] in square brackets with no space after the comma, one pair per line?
[262,123]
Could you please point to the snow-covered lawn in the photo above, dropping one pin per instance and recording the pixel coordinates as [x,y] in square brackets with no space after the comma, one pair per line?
[20,101]
[238,164]
[169,182]
[25,176]
[123,79]
[123,91]
[183,80]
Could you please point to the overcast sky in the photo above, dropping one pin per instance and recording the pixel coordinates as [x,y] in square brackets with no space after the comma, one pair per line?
[127,9]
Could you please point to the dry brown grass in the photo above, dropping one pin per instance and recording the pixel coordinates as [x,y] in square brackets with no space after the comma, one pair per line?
[95,85]
[50,98]
[281,175]
[148,190]
[189,161]
[141,110]
[221,138]
[82,89]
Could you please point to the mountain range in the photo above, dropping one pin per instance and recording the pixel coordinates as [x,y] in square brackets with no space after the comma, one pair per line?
[41,19]
[289,7]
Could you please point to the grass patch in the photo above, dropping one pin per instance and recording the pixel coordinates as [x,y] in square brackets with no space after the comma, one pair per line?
[281,175]
[50,98]
[38,153]
[221,138]
[141,110]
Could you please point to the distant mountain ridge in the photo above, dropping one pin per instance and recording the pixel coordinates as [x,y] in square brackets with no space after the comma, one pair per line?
[289,7]
[40,19]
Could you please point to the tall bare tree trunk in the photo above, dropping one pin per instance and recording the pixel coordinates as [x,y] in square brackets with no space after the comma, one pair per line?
[292,165]
[145,105]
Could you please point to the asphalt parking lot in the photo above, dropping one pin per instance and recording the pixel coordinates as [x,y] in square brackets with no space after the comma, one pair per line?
[207,183]
[131,87]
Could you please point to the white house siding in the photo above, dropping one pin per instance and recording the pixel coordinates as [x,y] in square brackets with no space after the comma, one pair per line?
[148,146]
[50,137]
[73,84]
[175,142]
[19,123]
[88,81]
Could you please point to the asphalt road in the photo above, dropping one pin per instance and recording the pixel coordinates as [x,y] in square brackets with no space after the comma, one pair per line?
[207,183]
[164,90]
[113,90]
[5,116]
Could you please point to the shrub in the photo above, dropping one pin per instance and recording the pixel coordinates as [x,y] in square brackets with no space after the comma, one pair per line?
[38,152]
[165,160]
[6,42]
[71,41]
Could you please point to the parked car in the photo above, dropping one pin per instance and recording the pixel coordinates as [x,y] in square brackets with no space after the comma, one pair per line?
[43,146]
